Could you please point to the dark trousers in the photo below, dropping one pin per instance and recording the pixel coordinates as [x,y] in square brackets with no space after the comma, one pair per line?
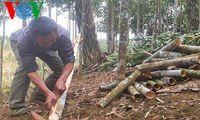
[21,81]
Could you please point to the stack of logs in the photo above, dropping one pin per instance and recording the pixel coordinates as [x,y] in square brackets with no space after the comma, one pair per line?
[163,68]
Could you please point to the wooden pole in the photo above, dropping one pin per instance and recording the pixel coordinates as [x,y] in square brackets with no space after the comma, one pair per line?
[56,111]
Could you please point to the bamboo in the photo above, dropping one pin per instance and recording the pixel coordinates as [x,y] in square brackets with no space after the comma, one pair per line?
[193,73]
[171,46]
[154,84]
[161,83]
[144,91]
[168,73]
[146,84]
[162,59]
[108,86]
[57,110]
[165,64]
[133,91]
[121,87]
[169,54]
[185,78]
[169,80]
[188,49]
[195,67]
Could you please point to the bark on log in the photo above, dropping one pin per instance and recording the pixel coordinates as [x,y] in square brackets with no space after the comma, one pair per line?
[162,59]
[146,84]
[154,84]
[195,67]
[108,86]
[193,73]
[165,64]
[169,80]
[171,46]
[169,54]
[188,49]
[168,73]
[121,87]
[144,91]
[133,91]
[161,83]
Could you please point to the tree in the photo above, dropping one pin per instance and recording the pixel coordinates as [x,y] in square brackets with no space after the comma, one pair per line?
[91,50]
[124,18]
[2,42]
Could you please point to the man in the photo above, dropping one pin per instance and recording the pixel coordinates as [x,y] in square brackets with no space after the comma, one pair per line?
[41,38]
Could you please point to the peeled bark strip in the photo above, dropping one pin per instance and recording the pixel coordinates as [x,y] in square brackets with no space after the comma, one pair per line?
[133,91]
[144,91]
[168,73]
[188,49]
[161,83]
[108,86]
[154,84]
[171,46]
[169,54]
[195,67]
[146,84]
[121,87]
[165,64]
[169,80]
[193,73]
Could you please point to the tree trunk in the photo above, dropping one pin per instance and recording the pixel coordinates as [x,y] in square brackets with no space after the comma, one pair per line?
[110,26]
[199,15]
[91,50]
[69,20]
[193,14]
[124,17]
[154,27]
[49,8]
[2,42]
[175,15]
[138,17]
[159,17]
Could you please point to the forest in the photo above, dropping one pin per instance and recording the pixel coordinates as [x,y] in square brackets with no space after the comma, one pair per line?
[135,60]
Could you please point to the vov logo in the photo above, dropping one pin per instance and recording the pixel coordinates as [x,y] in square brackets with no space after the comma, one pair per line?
[23,10]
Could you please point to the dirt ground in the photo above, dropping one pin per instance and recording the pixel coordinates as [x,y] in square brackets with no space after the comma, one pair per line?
[83,96]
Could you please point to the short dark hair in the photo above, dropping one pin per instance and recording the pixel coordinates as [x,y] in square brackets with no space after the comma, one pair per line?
[42,26]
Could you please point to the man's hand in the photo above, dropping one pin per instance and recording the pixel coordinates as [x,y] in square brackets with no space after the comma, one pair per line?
[51,99]
[60,87]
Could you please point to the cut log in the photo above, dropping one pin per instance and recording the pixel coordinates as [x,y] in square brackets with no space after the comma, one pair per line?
[134,92]
[193,73]
[161,83]
[168,73]
[146,84]
[162,59]
[57,110]
[165,64]
[154,84]
[188,49]
[185,78]
[195,67]
[108,86]
[121,87]
[144,91]
[171,46]
[169,80]
[169,54]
